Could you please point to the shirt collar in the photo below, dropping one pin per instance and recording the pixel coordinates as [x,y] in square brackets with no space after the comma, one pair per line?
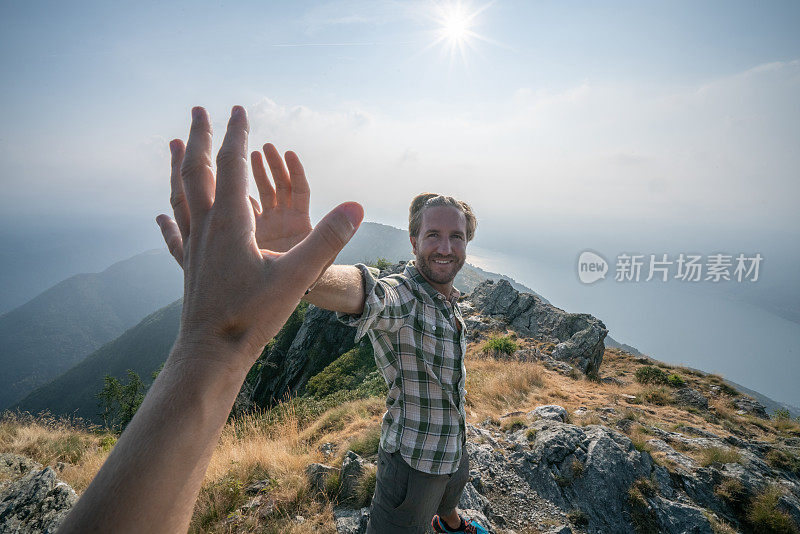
[412,272]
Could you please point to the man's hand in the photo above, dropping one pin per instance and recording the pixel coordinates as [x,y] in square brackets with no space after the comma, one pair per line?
[245,269]
[282,218]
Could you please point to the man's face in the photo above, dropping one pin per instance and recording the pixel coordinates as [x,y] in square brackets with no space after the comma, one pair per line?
[441,246]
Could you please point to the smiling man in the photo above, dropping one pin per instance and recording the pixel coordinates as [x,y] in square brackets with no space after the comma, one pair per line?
[417,331]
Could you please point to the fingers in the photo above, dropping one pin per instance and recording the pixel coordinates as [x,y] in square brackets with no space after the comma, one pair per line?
[318,250]
[172,237]
[180,208]
[283,184]
[265,190]
[301,193]
[256,207]
[231,195]
[196,171]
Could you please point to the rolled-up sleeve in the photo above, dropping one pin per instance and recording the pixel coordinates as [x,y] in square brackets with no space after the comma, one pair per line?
[387,303]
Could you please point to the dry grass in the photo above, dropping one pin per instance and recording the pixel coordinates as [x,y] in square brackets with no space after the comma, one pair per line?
[50,440]
[500,386]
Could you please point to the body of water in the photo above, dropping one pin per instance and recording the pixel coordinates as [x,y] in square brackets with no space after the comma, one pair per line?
[675,322]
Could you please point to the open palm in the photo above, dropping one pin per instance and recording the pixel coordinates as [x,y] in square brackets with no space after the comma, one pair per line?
[282,220]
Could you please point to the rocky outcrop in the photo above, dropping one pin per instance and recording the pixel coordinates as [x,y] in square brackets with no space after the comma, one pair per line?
[578,337]
[35,502]
[691,397]
[748,405]
[300,353]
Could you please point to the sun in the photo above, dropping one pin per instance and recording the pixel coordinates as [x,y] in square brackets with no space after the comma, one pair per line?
[455,25]
[455,22]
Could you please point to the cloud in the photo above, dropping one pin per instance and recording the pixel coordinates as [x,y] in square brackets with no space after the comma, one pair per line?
[721,149]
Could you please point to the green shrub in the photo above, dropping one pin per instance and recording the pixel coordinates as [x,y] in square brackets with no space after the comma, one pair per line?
[107,442]
[346,372]
[497,345]
[531,434]
[676,381]
[765,517]
[650,375]
[367,444]
[781,413]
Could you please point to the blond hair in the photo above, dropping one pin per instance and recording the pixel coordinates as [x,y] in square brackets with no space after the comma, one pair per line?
[429,200]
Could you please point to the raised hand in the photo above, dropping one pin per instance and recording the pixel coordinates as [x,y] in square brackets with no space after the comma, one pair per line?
[238,290]
[282,220]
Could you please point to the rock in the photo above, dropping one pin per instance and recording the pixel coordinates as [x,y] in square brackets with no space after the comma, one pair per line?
[554,412]
[691,397]
[579,336]
[13,466]
[260,486]
[472,500]
[350,521]
[327,449]
[35,503]
[580,411]
[352,471]
[561,529]
[317,475]
[562,368]
[751,406]
[299,353]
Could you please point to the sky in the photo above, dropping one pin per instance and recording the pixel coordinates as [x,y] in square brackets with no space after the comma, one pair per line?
[639,126]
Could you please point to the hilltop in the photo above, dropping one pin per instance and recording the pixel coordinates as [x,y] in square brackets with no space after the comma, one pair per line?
[564,433]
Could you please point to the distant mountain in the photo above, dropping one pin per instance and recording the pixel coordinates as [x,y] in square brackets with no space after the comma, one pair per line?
[49,334]
[143,348]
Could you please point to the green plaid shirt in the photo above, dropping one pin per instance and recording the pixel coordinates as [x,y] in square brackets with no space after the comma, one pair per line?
[420,352]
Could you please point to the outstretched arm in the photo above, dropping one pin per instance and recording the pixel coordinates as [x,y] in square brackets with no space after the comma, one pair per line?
[236,297]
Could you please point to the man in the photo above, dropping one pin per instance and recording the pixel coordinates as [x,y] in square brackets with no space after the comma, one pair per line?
[417,331]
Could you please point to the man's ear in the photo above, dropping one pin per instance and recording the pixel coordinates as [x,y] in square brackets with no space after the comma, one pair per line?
[413,244]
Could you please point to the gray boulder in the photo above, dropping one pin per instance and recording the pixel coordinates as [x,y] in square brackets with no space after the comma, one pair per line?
[35,503]
[578,336]
[748,405]
[317,475]
[553,412]
[351,521]
[353,469]
[691,397]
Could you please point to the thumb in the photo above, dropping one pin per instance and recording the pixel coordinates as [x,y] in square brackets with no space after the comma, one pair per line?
[310,257]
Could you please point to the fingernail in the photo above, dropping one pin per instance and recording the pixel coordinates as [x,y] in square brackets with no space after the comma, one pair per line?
[237,112]
[196,112]
[173,145]
[354,213]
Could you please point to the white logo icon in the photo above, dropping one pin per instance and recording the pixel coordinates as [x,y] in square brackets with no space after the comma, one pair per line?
[591,267]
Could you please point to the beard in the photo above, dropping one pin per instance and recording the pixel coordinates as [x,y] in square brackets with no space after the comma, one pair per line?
[439,274]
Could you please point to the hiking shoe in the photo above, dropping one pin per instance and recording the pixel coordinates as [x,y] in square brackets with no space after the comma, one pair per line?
[467,525]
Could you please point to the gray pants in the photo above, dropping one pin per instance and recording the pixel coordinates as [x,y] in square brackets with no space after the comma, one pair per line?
[406,499]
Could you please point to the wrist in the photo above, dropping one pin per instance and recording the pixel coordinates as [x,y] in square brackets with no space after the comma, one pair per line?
[212,353]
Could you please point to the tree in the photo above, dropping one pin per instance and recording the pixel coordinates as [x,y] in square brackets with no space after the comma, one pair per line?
[118,402]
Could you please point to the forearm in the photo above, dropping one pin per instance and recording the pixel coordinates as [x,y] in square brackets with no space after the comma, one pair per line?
[152,477]
[341,288]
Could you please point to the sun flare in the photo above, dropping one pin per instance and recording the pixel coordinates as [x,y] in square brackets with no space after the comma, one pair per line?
[455,22]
